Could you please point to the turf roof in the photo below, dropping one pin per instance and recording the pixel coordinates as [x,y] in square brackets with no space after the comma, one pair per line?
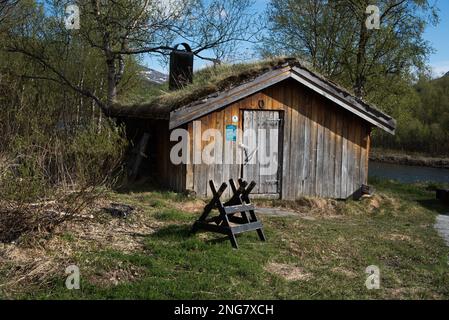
[211,81]
[206,82]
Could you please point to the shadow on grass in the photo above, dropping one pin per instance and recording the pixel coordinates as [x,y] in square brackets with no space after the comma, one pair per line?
[183,233]
[173,231]
[435,205]
[146,184]
[172,214]
[221,239]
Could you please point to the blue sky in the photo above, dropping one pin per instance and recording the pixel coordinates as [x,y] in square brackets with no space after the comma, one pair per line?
[438,36]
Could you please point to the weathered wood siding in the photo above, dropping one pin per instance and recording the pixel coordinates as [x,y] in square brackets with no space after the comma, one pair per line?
[157,163]
[168,174]
[324,152]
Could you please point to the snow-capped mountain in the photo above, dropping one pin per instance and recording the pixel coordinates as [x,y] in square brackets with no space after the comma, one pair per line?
[153,76]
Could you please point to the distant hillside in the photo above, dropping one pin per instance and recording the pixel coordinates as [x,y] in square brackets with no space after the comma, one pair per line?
[423,119]
[149,84]
[153,76]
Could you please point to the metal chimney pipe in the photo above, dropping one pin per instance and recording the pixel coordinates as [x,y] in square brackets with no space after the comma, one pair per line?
[181,67]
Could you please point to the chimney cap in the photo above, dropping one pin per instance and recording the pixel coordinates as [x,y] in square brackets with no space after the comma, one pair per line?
[185,45]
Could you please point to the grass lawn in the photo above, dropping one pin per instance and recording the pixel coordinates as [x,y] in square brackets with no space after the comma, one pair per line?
[321,255]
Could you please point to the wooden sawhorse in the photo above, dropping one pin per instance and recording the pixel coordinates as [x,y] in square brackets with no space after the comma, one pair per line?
[227,222]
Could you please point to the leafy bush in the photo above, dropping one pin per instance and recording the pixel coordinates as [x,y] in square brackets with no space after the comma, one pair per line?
[97,156]
[35,167]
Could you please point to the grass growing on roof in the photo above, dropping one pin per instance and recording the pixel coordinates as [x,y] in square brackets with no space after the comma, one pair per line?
[157,101]
[205,81]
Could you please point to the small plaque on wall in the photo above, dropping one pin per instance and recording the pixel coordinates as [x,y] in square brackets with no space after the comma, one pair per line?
[231,132]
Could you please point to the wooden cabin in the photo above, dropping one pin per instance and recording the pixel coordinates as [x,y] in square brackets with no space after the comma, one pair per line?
[321,148]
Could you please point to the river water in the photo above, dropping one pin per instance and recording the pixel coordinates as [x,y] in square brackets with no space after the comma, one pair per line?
[408,174]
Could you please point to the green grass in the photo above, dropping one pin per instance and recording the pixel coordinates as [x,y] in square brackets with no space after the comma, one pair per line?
[173,215]
[333,252]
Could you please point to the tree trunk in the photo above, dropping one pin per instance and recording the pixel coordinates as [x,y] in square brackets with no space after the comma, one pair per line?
[360,79]
[112,85]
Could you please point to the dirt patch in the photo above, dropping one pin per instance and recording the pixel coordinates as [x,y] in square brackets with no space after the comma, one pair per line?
[390,201]
[398,237]
[412,293]
[117,276]
[287,271]
[193,206]
[380,202]
[345,272]
[126,235]
[374,202]
[306,206]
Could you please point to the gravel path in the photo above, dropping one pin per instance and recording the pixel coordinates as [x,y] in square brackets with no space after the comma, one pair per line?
[442,226]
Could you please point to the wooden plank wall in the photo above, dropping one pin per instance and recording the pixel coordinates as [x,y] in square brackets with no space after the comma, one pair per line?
[325,148]
[158,163]
[168,175]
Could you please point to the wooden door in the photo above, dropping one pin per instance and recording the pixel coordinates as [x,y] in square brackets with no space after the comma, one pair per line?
[262,144]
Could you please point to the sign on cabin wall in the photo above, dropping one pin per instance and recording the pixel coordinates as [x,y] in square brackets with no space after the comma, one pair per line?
[231,132]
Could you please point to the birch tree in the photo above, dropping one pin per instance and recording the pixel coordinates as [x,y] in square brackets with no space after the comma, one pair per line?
[119,29]
[339,39]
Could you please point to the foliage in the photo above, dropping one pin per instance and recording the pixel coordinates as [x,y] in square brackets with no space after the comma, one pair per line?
[51,137]
[116,32]
[422,112]
[333,35]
